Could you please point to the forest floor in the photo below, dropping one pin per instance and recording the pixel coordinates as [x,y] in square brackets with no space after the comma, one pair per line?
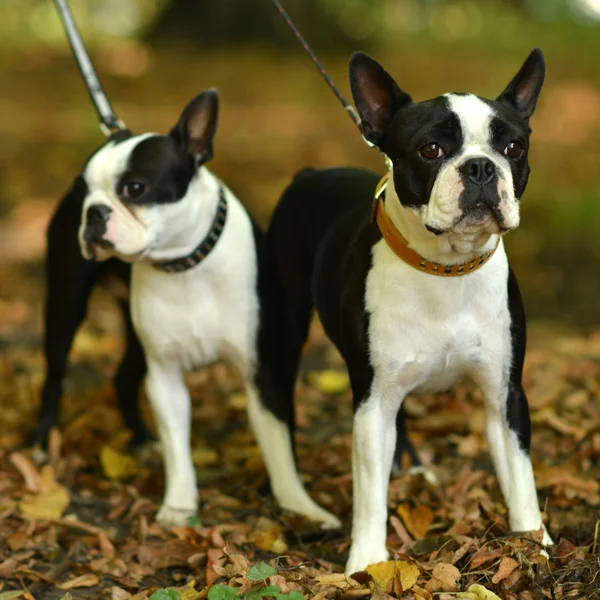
[81,524]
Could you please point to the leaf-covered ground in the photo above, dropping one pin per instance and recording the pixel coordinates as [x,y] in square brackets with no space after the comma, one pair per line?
[82,523]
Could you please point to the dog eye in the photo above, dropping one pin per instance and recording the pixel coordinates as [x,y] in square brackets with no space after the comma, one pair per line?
[514,150]
[132,189]
[432,151]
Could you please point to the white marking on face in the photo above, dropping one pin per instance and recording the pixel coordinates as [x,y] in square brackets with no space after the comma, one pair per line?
[444,211]
[127,228]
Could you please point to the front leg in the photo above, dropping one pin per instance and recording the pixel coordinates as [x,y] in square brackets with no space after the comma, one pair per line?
[508,431]
[170,401]
[373,444]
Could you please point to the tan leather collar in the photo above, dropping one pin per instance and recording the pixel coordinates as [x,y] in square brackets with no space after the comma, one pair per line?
[400,246]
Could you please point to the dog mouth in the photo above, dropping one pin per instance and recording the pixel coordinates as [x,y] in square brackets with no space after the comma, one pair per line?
[481,217]
[94,243]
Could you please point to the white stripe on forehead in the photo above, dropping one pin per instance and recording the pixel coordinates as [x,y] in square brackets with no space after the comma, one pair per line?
[108,164]
[475,118]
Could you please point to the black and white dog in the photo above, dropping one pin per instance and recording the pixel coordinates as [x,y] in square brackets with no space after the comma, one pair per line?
[424,297]
[200,291]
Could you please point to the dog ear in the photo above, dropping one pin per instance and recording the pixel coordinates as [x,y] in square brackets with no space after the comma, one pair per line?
[523,91]
[198,125]
[376,95]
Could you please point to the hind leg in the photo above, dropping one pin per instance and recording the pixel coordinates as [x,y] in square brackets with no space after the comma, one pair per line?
[128,379]
[274,433]
[70,282]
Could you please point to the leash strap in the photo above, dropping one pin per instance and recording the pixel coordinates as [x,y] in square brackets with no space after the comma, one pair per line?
[109,122]
[347,106]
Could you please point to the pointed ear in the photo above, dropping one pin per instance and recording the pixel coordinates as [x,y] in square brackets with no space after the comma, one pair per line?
[376,95]
[197,125]
[523,91]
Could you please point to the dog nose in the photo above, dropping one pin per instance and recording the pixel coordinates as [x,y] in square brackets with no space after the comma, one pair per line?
[480,171]
[98,213]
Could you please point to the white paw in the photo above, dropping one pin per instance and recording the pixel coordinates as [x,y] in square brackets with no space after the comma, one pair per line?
[328,521]
[361,557]
[546,539]
[174,517]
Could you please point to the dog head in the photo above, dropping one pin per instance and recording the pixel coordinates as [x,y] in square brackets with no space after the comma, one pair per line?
[459,160]
[137,185]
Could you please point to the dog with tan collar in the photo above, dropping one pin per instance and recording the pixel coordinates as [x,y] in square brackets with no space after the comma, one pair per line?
[416,291]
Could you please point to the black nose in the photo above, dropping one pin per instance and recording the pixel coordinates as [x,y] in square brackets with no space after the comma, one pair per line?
[480,171]
[98,213]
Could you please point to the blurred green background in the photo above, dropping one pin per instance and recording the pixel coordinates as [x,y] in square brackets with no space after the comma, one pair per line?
[277,115]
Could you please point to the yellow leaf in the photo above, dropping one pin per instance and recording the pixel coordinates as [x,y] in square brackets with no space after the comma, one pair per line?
[267,536]
[329,381]
[238,401]
[417,520]
[50,503]
[116,465]
[203,457]
[11,595]
[383,572]
[478,592]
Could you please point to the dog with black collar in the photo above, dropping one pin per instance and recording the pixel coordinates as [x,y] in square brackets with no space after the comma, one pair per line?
[200,291]
[415,291]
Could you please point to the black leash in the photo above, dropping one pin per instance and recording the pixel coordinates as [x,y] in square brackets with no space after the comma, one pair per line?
[109,122]
[347,106]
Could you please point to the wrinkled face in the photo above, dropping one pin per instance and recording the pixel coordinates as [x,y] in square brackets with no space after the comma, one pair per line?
[137,184]
[134,187]
[460,162]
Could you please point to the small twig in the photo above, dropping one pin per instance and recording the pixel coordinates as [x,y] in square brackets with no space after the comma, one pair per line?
[596,530]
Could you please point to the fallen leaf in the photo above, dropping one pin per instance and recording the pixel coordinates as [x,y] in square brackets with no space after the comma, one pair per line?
[204,457]
[478,592]
[384,572]
[87,580]
[338,580]
[443,578]
[27,469]
[506,567]
[12,595]
[268,537]
[50,503]
[117,465]
[329,381]
[418,520]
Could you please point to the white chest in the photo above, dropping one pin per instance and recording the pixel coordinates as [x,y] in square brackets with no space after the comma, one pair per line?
[426,332]
[207,313]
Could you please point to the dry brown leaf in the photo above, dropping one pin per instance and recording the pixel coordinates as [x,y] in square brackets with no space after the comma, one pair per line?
[50,503]
[418,520]
[337,580]
[27,469]
[87,580]
[444,578]
[384,572]
[117,465]
[484,556]
[506,567]
[420,592]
